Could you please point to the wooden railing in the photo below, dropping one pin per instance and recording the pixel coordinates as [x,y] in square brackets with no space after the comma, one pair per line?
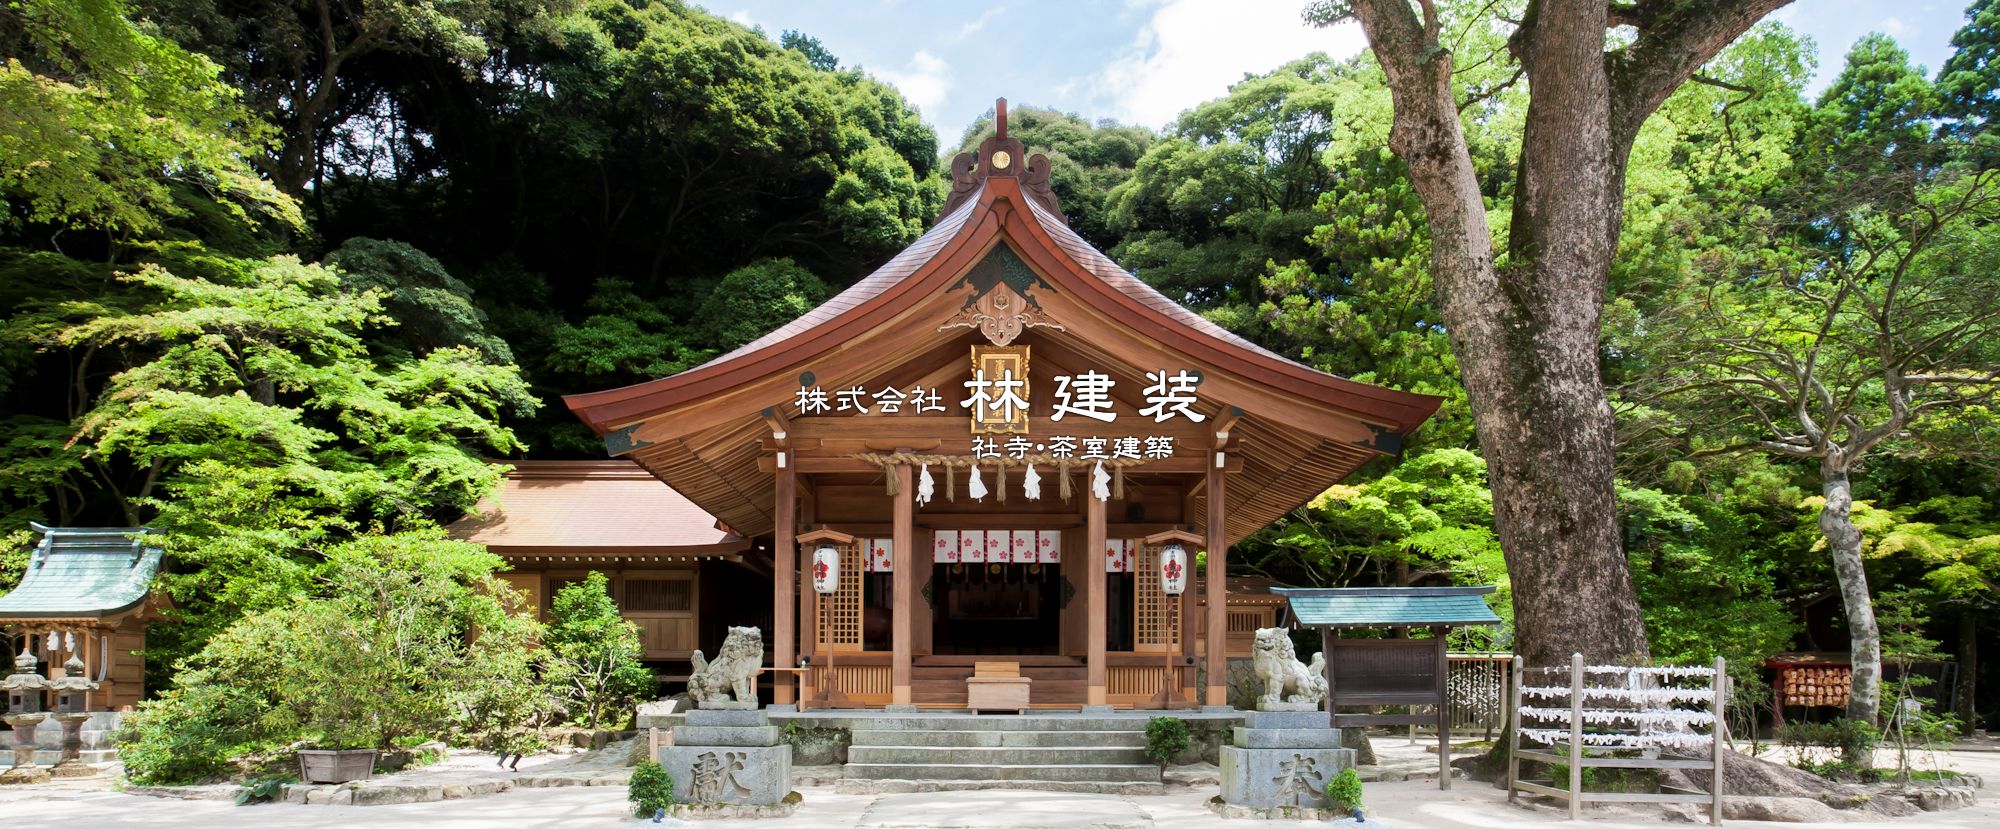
[867,684]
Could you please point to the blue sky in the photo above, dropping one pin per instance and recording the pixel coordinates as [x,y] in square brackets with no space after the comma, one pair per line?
[1143,61]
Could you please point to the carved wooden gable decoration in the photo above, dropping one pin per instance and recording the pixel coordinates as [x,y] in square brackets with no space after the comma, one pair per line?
[1000,298]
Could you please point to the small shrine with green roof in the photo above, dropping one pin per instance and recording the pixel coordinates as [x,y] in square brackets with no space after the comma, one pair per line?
[87,592]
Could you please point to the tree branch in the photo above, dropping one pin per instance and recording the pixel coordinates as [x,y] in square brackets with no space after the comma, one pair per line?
[1673,42]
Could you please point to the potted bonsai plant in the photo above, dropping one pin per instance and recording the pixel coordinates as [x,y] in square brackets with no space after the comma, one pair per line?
[362,685]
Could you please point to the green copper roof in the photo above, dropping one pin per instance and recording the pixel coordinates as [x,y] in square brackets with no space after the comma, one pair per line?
[1388,606]
[93,571]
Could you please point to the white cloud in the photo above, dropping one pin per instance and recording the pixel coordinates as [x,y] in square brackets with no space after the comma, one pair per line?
[1190,51]
[923,82]
[973,27]
[742,17]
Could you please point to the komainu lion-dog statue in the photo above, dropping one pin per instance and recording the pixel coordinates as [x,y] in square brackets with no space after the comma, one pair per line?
[1288,685]
[729,681]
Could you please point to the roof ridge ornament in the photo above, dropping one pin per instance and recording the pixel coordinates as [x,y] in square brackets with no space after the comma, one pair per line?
[1001,156]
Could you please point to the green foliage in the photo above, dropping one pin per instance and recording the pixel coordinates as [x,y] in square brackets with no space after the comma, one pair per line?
[381,652]
[1344,789]
[592,654]
[263,789]
[1911,724]
[1087,161]
[757,298]
[112,127]
[1166,738]
[1852,743]
[1970,78]
[625,339]
[651,789]
[1705,583]
[432,308]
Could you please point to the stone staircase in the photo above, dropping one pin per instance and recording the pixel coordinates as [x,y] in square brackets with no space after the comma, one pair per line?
[1067,753]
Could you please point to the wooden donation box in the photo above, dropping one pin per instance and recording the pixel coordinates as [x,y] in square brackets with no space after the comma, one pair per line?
[997,686]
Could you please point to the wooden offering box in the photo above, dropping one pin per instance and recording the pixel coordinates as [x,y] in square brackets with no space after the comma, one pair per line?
[997,686]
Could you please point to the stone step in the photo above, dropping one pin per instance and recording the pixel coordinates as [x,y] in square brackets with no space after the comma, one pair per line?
[47,759]
[870,787]
[998,739]
[1046,755]
[49,735]
[1003,723]
[1083,773]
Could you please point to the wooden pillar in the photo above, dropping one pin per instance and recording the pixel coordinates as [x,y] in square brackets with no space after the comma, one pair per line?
[784,576]
[1189,626]
[1094,597]
[1218,589]
[808,600]
[903,538]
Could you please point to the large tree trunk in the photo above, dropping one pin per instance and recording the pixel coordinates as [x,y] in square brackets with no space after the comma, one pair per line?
[1843,542]
[1526,336]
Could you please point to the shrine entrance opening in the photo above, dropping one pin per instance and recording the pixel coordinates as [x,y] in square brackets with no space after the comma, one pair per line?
[997,609]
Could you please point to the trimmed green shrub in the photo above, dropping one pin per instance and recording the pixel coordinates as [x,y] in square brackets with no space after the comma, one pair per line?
[591,659]
[1166,738]
[651,789]
[1344,789]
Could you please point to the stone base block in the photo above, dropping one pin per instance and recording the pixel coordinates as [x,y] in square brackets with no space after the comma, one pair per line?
[760,775]
[1271,777]
[24,774]
[728,718]
[729,705]
[1288,706]
[711,735]
[1321,737]
[727,811]
[1286,719]
[75,769]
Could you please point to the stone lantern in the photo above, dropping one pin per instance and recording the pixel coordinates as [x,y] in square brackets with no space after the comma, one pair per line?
[71,692]
[24,713]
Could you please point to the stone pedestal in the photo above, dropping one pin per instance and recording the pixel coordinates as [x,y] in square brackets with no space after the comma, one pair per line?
[24,770]
[1282,759]
[728,756]
[72,764]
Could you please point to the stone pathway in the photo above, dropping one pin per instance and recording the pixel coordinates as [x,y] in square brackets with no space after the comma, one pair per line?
[1004,810]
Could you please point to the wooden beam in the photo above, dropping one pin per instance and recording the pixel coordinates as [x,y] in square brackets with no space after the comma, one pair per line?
[903,539]
[954,430]
[1094,601]
[781,427]
[1218,588]
[1228,418]
[784,582]
[1189,463]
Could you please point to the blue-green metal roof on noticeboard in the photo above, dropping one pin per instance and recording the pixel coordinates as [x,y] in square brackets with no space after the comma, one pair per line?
[1389,606]
[77,572]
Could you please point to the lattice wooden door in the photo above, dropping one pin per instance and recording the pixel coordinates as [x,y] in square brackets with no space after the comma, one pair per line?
[840,613]
[1154,628]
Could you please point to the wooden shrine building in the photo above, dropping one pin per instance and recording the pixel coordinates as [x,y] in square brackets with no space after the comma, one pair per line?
[88,592]
[554,522]
[997,418]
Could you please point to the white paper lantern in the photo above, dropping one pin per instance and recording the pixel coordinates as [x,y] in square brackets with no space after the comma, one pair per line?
[1173,570]
[826,569]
